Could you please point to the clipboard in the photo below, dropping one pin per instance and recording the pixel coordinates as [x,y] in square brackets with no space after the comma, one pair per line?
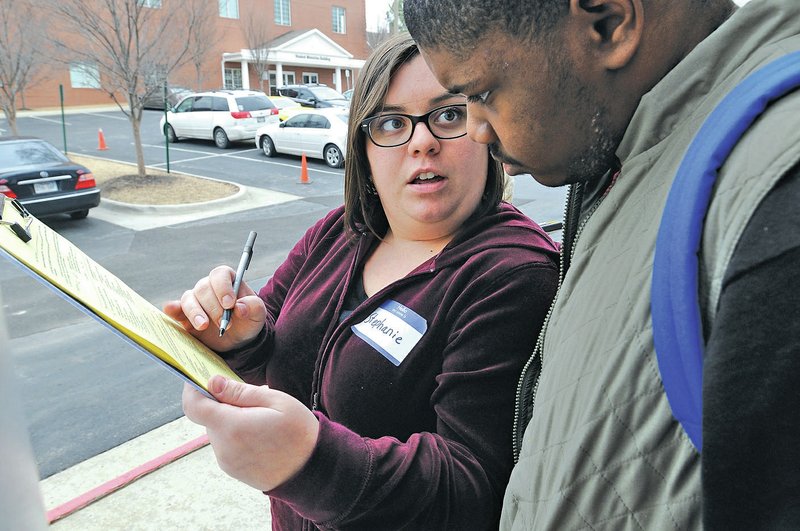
[56,262]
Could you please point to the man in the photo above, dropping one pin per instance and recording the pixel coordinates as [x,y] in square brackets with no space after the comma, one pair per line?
[565,90]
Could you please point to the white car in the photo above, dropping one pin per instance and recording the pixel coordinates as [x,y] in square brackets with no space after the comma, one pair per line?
[319,133]
[220,115]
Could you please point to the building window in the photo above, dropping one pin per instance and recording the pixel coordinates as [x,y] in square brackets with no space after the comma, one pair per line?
[283,13]
[233,78]
[310,77]
[339,25]
[150,3]
[288,79]
[84,75]
[229,8]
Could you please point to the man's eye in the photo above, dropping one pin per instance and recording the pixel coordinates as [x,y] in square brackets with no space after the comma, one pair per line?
[479,98]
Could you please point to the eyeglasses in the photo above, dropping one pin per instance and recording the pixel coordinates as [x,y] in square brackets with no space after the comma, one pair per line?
[394,129]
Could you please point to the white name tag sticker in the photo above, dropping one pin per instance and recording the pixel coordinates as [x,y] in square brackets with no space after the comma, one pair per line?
[392,329]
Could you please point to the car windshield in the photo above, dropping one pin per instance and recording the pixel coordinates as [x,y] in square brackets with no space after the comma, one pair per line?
[325,93]
[29,152]
[253,103]
[282,104]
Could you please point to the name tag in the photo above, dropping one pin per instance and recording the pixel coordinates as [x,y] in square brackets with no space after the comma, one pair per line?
[392,329]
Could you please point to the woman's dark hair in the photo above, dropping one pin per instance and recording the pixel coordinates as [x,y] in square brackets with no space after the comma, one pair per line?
[363,209]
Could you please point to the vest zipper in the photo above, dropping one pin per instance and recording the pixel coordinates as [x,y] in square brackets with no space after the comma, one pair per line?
[529,380]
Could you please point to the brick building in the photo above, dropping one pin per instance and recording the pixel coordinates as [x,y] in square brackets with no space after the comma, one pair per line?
[305,41]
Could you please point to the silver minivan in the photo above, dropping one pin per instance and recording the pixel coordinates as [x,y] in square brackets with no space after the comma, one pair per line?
[223,116]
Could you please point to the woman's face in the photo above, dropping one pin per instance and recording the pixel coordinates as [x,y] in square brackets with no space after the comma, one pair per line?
[428,187]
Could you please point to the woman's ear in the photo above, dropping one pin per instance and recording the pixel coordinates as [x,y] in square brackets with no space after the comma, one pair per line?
[612,28]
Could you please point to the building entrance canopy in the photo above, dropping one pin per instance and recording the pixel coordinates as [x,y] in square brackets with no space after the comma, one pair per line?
[307,48]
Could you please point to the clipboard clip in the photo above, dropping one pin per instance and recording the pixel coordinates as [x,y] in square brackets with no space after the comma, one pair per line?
[23,233]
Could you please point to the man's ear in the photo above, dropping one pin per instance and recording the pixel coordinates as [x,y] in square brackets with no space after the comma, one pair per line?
[612,28]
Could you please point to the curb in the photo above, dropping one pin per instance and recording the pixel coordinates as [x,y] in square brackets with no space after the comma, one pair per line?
[123,480]
[174,209]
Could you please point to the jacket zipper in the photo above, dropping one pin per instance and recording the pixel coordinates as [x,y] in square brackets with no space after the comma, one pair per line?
[529,380]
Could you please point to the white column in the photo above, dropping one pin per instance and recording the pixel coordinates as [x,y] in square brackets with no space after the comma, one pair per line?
[337,79]
[245,76]
[278,75]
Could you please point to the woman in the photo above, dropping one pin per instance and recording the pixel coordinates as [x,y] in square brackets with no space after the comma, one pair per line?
[402,320]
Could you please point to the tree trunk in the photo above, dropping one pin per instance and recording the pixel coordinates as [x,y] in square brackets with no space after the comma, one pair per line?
[136,124]
[11,117]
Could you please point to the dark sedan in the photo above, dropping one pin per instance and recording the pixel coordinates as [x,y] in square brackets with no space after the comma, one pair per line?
[44,180]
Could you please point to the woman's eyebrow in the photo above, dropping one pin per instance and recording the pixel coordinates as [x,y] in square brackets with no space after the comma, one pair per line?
[442,98]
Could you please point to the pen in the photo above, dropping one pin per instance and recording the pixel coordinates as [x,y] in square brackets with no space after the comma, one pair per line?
[244,262]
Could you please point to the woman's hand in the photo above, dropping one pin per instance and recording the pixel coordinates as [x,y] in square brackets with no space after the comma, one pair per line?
[260,436]
[200,310]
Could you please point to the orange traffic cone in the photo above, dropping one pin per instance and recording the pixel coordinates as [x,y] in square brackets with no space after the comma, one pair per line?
[304,170]
[101,141]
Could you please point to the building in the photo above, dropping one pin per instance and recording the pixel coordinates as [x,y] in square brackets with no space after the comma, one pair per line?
[301,41]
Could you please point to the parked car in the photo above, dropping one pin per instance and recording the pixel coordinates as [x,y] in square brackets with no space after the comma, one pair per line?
[314,95]
[319,133]
[286,106]
[155,98]
[44,180]
[220,115]
[348,94]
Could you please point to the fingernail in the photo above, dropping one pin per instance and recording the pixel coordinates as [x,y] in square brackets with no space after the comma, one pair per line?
[227,301]
[217,384]
[199,321]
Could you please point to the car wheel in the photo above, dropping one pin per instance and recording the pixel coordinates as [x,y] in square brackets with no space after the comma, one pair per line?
[221,139]
[170,132]
[267,146]
[80,214]
[333,157]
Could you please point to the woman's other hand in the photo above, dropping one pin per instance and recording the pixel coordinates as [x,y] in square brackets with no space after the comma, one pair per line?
[260,436]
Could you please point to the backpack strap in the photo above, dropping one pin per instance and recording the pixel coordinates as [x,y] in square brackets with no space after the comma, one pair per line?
[677,327]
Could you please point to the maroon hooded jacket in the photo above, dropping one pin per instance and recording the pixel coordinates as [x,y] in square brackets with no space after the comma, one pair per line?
[414,390]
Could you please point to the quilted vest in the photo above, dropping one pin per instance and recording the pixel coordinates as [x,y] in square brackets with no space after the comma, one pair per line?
[602,449]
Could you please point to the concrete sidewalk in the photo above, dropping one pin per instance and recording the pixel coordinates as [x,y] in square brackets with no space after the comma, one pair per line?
[165,479]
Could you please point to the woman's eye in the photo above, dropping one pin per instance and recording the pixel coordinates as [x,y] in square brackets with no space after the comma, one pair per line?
[391,124]
[451,114]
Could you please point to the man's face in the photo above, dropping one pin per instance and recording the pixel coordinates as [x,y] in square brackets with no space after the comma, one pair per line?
[531,105]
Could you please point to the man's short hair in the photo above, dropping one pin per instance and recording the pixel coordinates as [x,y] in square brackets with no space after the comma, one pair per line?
[456,25]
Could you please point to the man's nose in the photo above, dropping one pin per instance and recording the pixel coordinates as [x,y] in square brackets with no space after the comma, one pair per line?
[478,127]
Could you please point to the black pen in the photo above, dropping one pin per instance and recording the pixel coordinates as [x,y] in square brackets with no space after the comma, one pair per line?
[244,263]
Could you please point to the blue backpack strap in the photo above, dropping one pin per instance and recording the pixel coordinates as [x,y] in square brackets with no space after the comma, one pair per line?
[677,327]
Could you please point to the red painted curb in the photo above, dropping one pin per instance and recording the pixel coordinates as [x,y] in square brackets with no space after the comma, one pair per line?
[117,483]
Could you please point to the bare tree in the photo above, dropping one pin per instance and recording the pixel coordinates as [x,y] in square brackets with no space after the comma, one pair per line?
[21,58]
[204,37]
[256,36]
[125,45]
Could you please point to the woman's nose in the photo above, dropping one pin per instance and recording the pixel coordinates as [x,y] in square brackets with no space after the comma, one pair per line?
[422,140]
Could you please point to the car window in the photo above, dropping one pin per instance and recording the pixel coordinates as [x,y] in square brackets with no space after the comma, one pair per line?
[254,103]
[202,103]
[318,122]
[325,93]
[185,105]
[298,120]
[221,104]
[32,152]
[289,93]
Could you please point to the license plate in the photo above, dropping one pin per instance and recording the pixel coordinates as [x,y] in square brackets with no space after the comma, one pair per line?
[260,119]
[45,188]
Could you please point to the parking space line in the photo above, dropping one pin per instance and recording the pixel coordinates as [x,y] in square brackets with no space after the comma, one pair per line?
[47,120]
[123,118]
[234,155]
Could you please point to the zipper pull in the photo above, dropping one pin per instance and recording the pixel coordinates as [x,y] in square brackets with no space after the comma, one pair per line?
[314,401]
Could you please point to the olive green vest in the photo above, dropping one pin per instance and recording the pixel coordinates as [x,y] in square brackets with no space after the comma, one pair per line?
[602,449]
